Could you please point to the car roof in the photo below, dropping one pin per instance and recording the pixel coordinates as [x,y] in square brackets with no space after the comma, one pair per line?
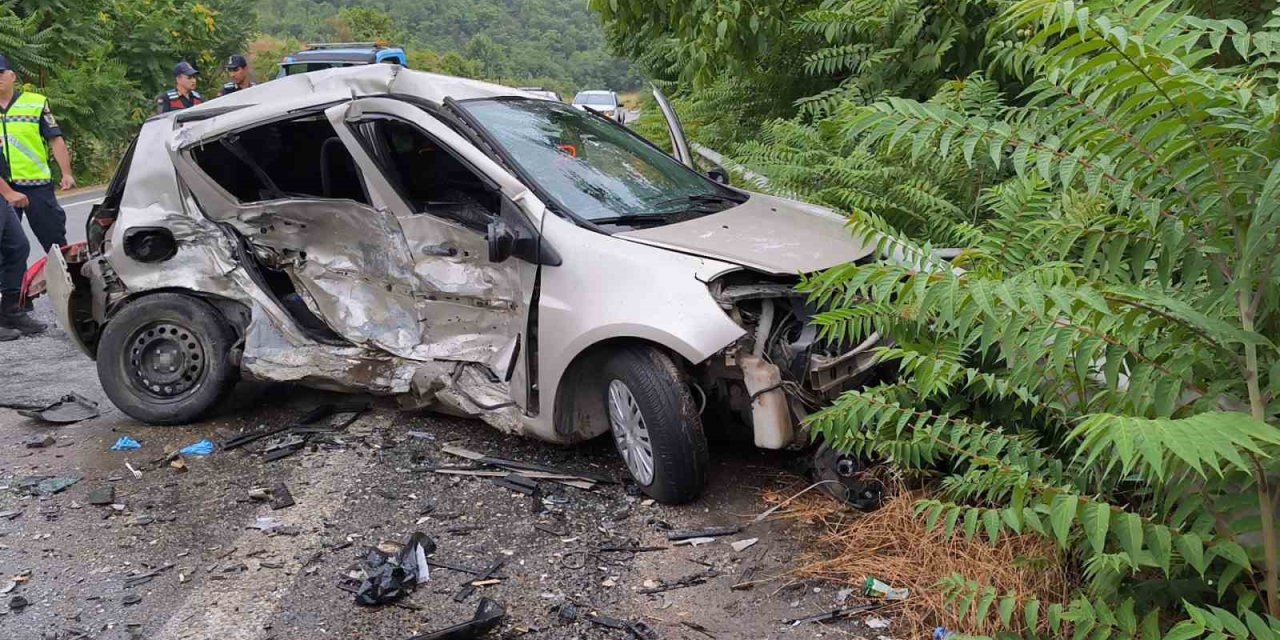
[304,91]
[595,92]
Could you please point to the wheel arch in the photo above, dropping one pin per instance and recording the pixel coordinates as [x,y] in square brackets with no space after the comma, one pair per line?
[578,415]
[235,313]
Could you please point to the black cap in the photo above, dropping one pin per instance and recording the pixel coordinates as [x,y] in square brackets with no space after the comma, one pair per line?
[4,63]
[184,68]
[236,62]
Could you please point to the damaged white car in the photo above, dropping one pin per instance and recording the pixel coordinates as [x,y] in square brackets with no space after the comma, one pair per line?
[461,245]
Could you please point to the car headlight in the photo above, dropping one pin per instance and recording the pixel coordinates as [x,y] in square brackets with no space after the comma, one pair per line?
[608,113]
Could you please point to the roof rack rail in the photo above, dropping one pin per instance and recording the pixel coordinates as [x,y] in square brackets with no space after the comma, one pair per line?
[344,45]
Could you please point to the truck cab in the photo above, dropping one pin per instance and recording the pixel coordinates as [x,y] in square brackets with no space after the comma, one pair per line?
[330,55]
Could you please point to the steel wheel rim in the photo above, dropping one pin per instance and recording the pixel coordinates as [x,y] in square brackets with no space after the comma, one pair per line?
[166,361]
[630,432]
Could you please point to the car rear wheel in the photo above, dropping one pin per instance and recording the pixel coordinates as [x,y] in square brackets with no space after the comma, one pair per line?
[164,359]
[655,424]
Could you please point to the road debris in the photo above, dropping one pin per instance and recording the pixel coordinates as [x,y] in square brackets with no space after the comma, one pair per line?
[8,586]
[694,542]
[699,628]
[743,545]
[691,580]
[749,571]
[102,496]
[9,515]
[137,475]
[874,588]
[489,614]
[45,485]
[280,497]
[584,481]
[125,443]
[469,587]
[387,577]
[40,442]
[131,599]
[18,603]
[876,623]
[72,407]
[138,580]
[835,614]
[709,532]
[638,629]
[198,449]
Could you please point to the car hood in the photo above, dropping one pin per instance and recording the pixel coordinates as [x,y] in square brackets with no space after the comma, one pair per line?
[765,233]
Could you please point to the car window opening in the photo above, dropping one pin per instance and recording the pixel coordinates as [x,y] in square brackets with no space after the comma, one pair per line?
[302,158]
[430,178]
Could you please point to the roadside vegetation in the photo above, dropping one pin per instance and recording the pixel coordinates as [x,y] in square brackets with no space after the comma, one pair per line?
[1098,369]
[103,62]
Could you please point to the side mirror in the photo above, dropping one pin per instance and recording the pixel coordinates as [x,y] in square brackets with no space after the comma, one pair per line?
[502,241]
[718,174]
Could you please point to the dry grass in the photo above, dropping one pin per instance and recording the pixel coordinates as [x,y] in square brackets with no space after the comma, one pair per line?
[894,545]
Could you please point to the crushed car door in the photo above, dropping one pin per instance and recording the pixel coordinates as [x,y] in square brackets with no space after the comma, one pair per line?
[679,144]
[445,192]
[290,189]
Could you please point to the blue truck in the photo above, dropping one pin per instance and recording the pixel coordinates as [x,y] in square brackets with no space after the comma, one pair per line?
[329,55]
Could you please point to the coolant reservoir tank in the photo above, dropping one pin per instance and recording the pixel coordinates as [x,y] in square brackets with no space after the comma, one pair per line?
[770,416]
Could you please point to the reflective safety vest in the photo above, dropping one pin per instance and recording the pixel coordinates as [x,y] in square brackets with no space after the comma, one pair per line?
[24,148]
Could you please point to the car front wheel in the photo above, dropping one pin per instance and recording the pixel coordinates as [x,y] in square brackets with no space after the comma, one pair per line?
[165,359]
[655,424]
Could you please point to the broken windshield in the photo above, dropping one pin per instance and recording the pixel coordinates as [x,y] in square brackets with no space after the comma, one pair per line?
[598,171]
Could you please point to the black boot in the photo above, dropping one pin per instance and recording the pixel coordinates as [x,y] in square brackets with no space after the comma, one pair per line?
[14,317]
[7,334]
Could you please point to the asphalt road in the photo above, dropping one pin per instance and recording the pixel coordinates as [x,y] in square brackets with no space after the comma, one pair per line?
[216,577]
[77,205]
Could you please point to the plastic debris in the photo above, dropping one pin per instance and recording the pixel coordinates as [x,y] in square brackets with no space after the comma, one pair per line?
[709,532]
[873,588]
[18,603]
[876,623]
[835,614]
[389,577]
[743,545]
[39,442]
[73,407]
[46,485]
[941,633]
[488,616]
[125,443]
[102,496]
[202,448]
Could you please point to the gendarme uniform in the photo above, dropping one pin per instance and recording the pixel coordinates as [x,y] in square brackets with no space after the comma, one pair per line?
[174,101]
[230,88]
[25,126]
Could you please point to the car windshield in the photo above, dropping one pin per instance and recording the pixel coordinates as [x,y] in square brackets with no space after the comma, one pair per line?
[596,99]
[597,170]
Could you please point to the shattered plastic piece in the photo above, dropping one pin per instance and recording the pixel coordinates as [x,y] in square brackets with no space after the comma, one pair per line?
[743,545]
[709,532]
[136,474]
[873,588]
[131,599]
[125,443]
[488,616]
[73,407]
[199,449]
[941,633]
[18,603]
[46,485]
[638,630]
[390,577]
[877,623]
[694,542]
[8,586]
[835,614]
[469,587]
[9,515]
[280,497]
[103,495]
[40,442]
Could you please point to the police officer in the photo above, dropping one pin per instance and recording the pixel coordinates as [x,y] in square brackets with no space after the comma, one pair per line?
[22,119]
[183,95]
[238,67]
[30,133]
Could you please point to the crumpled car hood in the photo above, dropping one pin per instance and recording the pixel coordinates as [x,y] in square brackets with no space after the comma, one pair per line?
[768,234]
